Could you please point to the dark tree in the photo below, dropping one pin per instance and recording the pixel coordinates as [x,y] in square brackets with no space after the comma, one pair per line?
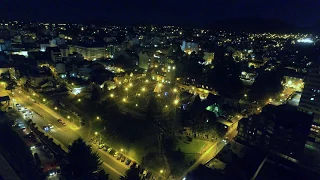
[266,85]
[84,164]
[131,174]
[169,144]
[95,95]
[15,151]
[151,108]
[225,77]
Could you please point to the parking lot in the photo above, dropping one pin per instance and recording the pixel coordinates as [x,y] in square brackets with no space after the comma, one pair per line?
[122,158]
[42,154]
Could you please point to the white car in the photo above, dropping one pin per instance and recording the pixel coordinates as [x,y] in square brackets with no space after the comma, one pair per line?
[50,126]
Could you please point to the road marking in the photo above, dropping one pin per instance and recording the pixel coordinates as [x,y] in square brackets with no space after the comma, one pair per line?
[105,164]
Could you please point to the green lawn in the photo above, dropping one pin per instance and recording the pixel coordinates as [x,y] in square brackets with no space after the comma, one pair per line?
[191,149]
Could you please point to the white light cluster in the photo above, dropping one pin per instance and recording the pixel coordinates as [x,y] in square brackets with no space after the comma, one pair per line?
[305,40]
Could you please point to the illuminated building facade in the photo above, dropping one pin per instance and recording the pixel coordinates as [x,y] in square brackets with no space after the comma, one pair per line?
[310,103]
[189,47]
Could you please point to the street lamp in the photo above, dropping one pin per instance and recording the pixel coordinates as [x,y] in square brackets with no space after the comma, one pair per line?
[147,80]
[33,94]
[136,105]
[79,100]
[130,85]
[98,118]
[176,101]
[111,95]
[44,100]
[161,171]
[143,89]
[175,90]
[124,100]
[126,91]
[96,133]
[68,117]
[55,108]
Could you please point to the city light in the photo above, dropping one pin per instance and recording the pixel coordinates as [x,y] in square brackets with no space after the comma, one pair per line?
[130,84]
[121,150]
[175,90]
[44,100]
[111,95]
[147,81]
[126,89]
[68,117]
[136,105]
[96,133]
[33,94]
[176,101]
[160,85]
[161,171]
[124,100]
[55,108]
[245,95]
[143,89]
[76,91]
[98,118]
[79,100]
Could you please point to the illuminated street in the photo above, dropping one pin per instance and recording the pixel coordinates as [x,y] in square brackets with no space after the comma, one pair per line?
[63,134]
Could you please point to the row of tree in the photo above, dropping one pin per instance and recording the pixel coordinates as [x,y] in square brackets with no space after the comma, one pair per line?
[84,164]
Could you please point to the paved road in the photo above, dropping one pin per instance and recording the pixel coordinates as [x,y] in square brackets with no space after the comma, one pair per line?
[65,135]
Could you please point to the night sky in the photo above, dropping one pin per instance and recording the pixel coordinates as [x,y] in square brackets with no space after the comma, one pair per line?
[171,12]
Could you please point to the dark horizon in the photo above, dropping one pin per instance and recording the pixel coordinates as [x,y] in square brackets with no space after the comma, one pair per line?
[191,13]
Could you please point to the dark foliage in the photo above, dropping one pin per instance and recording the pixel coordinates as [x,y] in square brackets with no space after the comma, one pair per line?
[84,164]
[131,174]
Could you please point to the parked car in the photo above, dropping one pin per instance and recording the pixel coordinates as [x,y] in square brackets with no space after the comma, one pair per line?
[116,154]
[148,176]
[141,169]
[59,121]
[112,152]
[133,164]
[128,161]
[101,146]
[109,150]
[119,156]
[105,148]
[123,158]
[145,172]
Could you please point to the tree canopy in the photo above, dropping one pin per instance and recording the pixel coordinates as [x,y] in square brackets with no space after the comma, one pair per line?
[95,95]
[131,174]
[225,76]
[266,85]
[84,163]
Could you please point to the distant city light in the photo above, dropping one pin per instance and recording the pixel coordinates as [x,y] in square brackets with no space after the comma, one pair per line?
[305,40]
